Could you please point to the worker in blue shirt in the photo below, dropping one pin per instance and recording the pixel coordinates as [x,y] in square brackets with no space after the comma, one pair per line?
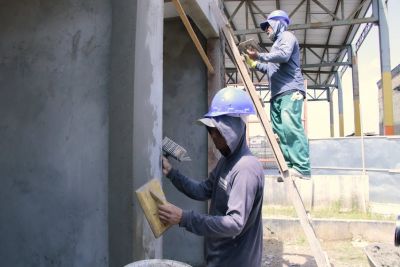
[282,66]
[233,228]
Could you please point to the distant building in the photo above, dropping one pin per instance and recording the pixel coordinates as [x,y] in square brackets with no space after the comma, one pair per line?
[396,101]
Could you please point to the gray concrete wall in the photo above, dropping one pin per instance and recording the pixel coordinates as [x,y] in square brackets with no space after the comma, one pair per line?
[185,100]
[136,95]
[54,65]
[343,156]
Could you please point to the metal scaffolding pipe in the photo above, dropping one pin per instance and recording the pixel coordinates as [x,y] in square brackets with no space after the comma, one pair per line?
[331,117]
[340,104]
[315,25]
[356,90]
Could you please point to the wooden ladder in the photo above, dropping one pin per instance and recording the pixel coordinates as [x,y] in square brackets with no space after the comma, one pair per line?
[291,188]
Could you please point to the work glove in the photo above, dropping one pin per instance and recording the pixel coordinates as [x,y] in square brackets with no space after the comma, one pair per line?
[251,63]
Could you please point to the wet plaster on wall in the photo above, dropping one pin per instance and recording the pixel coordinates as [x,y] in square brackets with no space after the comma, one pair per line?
[120,177]
[54,132]
[147,131]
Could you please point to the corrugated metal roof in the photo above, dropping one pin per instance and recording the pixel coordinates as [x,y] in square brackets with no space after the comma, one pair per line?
[327,45]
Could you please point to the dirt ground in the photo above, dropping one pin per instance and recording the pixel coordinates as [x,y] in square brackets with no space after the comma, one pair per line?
[296,253]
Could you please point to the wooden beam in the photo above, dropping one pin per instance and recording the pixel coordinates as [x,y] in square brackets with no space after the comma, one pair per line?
[192,34]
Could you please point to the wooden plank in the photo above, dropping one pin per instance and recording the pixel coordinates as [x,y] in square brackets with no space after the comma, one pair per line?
[192,34]
[242,68]
[149,196]
[291,188]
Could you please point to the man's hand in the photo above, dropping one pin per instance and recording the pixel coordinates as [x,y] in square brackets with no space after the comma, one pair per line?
[251,63]
[253,54]
[166,166]
[169,213]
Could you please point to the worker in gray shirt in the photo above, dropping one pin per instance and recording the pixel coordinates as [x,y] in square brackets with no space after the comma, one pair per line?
[282,66]
[233,227]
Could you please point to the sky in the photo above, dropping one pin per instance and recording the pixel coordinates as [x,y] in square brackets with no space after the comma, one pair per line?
[369,75]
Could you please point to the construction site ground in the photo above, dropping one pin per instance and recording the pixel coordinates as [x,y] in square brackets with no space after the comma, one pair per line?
[295,251]
[292,253]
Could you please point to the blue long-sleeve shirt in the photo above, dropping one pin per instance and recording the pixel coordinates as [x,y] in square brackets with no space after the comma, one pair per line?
[233,227]
[282,65]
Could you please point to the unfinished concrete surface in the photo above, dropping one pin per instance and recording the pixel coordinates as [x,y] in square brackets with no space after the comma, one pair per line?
[185,101]
[80,128]
[54,75]
[135,125]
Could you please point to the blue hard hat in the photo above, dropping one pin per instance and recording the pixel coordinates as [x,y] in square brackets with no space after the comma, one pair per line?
[231,101]
[275,15]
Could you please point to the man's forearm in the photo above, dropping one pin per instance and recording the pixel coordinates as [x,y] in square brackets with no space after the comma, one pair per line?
[191,188]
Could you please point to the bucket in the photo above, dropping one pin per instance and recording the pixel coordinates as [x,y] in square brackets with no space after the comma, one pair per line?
[157,263]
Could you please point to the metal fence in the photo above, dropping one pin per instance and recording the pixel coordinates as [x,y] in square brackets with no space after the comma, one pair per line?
[260,148]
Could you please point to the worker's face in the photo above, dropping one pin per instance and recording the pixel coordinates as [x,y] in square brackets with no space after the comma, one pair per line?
[270,33]
[219,141]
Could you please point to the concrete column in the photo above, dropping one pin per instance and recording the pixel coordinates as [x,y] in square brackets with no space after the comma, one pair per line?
[356,91]
[147,118]
[216,81]
[331,115]
[340,104]
[135,125]
[380,11]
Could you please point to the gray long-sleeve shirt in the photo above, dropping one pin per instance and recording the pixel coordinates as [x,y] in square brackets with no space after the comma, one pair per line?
[282,65]
[233,227]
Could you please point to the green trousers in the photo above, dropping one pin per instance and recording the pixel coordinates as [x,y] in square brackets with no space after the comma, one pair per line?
[286,122]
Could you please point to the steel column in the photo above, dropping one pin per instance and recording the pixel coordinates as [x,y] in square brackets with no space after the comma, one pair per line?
[340,104]
[331,117]
[356,90]
[380,11]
